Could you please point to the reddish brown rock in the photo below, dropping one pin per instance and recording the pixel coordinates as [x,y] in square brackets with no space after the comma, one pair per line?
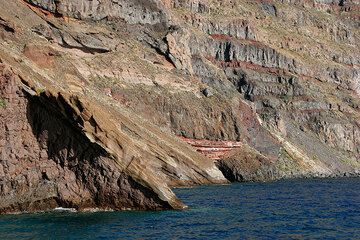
[47,161]
[44,57]
[281,77]
[213,149]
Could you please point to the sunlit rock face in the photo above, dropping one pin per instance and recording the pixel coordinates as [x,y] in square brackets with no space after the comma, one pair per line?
[109,104]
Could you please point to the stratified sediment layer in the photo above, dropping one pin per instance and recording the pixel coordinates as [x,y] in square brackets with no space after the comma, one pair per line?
[95,94]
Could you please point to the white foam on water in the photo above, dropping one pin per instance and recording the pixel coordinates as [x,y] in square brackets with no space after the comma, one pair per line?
[61,209]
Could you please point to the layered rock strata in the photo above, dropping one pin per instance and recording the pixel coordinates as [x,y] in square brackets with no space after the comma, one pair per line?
[57,150]
[268,89]
[238,56]
[213,149]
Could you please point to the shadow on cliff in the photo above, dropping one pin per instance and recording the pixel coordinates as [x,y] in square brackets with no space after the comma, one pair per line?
[88,177]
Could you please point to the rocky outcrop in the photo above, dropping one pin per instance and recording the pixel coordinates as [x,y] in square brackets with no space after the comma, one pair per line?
[135,11]
[46,162]
[56,152]
[87,42]
[104,90]
[246,164]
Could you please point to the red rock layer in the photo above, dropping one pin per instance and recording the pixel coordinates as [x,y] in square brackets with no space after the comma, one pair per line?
[212,149]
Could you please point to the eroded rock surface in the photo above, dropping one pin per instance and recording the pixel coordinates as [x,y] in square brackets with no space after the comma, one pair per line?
[266,89]
[48,160]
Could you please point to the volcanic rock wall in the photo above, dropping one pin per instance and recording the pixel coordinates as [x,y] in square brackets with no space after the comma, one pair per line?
[268,89]
[284,74]
[46,162]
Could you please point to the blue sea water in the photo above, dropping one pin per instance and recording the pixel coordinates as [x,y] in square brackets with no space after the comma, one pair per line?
[294,209]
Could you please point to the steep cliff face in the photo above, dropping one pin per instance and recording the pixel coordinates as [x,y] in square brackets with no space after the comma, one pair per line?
[266,89]
[56,151]
[66,144]
[134,11]
[46,162]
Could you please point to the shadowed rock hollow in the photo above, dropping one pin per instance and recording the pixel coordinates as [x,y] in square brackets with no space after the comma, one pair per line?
[109,104]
